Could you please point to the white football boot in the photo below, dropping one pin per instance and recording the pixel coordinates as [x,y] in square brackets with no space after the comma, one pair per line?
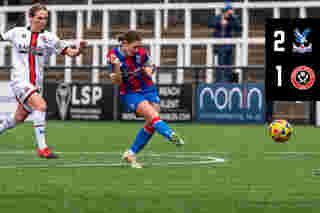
[176,139]
[131,159]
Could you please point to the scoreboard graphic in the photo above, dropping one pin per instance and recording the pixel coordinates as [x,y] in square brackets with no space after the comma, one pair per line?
[292,60]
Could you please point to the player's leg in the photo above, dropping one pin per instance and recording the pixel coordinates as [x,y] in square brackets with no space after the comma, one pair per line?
[38,105]
[152,116]
[14,119]
[143,137]
[21,91]
[154,99]
[228,61]
[131,102]
[145,133]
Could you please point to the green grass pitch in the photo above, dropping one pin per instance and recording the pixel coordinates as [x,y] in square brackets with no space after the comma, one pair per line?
[257,175]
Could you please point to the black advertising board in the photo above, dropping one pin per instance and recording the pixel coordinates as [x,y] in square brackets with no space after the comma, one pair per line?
[79,101]
[175,104]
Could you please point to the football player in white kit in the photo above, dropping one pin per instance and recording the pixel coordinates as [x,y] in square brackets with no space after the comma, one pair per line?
[31,47]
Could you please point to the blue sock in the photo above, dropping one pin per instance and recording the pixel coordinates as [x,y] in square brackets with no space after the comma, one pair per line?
[142,139]
[161,127]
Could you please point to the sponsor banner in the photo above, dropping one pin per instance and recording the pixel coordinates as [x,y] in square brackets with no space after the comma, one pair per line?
[230,103]
[7,100]
[79,101]
[175,104]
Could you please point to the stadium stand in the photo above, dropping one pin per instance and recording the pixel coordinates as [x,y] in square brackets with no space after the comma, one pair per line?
[120,22]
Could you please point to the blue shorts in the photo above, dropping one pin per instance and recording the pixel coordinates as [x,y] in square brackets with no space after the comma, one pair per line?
[132,100]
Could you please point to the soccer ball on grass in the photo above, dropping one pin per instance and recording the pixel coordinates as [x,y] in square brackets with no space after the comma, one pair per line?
[280,130]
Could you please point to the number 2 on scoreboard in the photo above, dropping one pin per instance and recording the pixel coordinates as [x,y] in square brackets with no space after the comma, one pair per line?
[279,41]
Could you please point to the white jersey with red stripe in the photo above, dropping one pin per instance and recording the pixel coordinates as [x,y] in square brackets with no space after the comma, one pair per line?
[31,52]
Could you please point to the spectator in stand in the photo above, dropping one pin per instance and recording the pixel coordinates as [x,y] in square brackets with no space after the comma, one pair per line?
[224,25]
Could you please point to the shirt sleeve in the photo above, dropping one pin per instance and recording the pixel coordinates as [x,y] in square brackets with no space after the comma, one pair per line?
[57,45]
[8,36]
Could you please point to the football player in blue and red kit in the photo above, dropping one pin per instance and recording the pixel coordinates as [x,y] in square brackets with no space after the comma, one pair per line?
[130,67]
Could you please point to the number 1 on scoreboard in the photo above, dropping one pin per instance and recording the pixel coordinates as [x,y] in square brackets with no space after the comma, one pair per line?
[279,75]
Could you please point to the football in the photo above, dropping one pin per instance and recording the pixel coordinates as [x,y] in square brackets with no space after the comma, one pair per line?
[280,131]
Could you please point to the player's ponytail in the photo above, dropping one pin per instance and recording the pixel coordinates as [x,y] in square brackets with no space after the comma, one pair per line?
[121,38]
[130,37]
[36,6]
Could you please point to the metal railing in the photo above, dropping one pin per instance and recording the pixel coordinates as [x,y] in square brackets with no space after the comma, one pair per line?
[184,45]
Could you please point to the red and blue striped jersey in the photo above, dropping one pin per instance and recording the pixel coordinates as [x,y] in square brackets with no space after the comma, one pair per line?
[133,79]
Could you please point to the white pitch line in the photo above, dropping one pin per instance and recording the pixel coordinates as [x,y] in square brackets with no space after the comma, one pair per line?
[157,153]
[165,153]
[76,153]
[61,166]
[180,154]
[217,160]
[206,160]
[302,153]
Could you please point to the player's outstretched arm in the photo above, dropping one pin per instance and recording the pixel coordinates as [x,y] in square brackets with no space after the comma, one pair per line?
[77,50]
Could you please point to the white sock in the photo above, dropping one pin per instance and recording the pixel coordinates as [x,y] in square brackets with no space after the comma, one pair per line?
[39,125]
[8,123]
